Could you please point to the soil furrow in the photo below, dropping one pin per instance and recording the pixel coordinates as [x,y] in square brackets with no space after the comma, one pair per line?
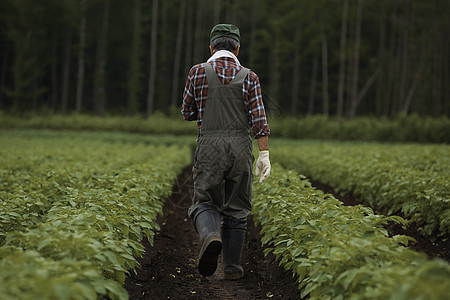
[169,267]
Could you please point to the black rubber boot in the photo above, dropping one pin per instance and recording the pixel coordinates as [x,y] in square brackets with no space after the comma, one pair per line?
[207,224]
[233,236]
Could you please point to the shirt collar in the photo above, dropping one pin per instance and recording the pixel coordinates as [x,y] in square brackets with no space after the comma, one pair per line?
[224,53]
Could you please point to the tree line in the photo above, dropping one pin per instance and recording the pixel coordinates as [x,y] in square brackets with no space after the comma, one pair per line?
[339,58]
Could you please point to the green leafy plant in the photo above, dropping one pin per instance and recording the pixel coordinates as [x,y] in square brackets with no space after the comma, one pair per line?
[412,179]
[80,203]
[340,252]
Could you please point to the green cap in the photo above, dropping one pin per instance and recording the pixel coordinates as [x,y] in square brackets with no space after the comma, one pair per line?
[225,30]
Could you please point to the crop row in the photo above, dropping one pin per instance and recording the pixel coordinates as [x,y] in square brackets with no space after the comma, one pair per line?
[411,179]
[340,252]
[74,209]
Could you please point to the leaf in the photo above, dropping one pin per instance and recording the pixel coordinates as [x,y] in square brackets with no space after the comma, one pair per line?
[116,290]
[398,220]
[311,286]
[44,243]
[347,277]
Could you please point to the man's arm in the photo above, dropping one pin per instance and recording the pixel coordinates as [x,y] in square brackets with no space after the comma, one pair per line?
[259,126]
[189,107]
[255,104]
[263,143]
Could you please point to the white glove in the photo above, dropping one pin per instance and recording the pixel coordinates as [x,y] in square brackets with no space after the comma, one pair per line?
[263,165]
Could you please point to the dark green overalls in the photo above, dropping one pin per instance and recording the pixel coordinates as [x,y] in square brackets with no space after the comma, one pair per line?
[223,162]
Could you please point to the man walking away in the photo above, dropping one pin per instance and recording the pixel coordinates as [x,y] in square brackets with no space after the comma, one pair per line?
[226,101]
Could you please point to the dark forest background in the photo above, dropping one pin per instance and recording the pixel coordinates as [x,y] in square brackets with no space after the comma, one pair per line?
[343,58]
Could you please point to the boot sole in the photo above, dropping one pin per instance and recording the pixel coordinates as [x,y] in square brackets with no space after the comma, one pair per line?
[235,274]
[207,264]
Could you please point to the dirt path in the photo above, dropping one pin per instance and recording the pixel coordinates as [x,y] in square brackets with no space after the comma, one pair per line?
[169,268]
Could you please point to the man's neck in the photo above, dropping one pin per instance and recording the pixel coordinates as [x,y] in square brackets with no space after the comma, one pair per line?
[224,53]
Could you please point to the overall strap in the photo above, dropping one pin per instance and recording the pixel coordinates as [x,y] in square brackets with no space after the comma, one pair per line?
[213,80]
[224,113]
[240,76]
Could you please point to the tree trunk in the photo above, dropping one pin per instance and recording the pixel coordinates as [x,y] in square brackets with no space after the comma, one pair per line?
[100,78]
[26,70]
[355,76]
[165,62]
[342,59]
[34,96]
[438,73]
[325,96]
[396,69]
[252,51]
[446,67]
[404,59]
[217,11]
[389,102]
[380,93]
[153,43]
[177,59]
[296,72]
[312,89]
[66,72]
[134,76]
[274,73]
[189,34]
[54,72]
[231,11]
[199,41]
[349,69]
[5,61]
[80,80]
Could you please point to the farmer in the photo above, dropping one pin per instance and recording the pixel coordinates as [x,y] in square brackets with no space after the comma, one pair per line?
[225,99]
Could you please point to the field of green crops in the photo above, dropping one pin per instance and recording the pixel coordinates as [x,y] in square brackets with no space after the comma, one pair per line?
[409,178]
[341,252]
[75,205]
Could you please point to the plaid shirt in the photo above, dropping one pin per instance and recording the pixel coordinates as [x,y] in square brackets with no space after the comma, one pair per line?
[196,91]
